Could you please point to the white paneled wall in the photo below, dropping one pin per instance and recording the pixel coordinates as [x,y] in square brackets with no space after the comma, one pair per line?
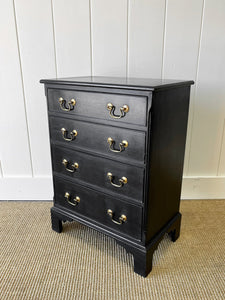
[181,49]
[35,44]
[71,19]
[209,111]
[177,39]
[146,27]
[109,37]
[15,149]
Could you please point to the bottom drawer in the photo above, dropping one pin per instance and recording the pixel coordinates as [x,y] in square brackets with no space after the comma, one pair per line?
[113,213]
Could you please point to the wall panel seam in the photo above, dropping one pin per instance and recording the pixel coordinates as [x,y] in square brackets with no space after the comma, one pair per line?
[54,40]
[221,146]
[90,29]
[196,85]
[1,173]
[127,50]
[164,39]
[23,88]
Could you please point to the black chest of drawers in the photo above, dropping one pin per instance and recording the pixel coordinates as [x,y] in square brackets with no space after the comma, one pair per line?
[117,147]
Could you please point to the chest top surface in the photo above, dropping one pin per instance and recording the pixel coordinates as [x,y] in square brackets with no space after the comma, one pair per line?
[120,82]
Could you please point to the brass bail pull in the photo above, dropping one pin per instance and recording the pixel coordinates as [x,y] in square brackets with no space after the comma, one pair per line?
[63,106]
[73,168]
[123,110]
[122,218]
[65,135]
[122,180]
[73,202]
[122,145]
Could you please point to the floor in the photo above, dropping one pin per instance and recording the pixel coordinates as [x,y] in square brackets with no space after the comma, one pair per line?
[80,263]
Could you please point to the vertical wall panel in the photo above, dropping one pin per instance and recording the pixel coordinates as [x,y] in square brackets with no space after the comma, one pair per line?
[34,23]
[145,38]
[14,148]
[109,37]
[182,36]
[210,94]
[72,33]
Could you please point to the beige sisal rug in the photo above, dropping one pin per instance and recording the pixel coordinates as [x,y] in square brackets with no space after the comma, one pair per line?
[80,263]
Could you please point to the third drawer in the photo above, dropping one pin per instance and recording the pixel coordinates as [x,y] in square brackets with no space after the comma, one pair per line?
[125,180]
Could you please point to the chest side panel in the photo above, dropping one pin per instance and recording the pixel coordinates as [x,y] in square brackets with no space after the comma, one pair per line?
[169,116]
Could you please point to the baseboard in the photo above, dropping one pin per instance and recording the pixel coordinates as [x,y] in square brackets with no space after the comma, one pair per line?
[41,188]
[26,188]
[203,187]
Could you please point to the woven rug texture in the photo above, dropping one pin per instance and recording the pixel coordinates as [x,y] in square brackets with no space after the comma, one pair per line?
[80,263]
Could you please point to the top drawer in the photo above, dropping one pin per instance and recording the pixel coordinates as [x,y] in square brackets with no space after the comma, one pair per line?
[120,108]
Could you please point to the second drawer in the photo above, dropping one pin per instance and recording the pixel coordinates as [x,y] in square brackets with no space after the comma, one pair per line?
[96,137]
[117,177]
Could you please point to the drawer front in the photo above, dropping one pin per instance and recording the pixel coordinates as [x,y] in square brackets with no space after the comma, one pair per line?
[96,105]
[94,170]
[94,205]
[95,137]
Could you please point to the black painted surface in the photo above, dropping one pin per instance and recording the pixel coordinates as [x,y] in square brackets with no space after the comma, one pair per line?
[94,205]
[153,162]
[93,137]
[169,116]
[93,170]
[90,104]
[122,82]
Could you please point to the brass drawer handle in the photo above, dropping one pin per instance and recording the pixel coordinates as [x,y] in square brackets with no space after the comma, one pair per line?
[122,218]
[74,202]
[123,110]
[74,166]
[73,134]
[122,145]
[122,180]
[63,106]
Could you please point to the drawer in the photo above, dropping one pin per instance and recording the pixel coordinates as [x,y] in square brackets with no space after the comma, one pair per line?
[94,137]
[94,205]
[91,104]
[94,170]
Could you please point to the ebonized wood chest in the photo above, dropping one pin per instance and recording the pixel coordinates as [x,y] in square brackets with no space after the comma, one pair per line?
[117,147]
